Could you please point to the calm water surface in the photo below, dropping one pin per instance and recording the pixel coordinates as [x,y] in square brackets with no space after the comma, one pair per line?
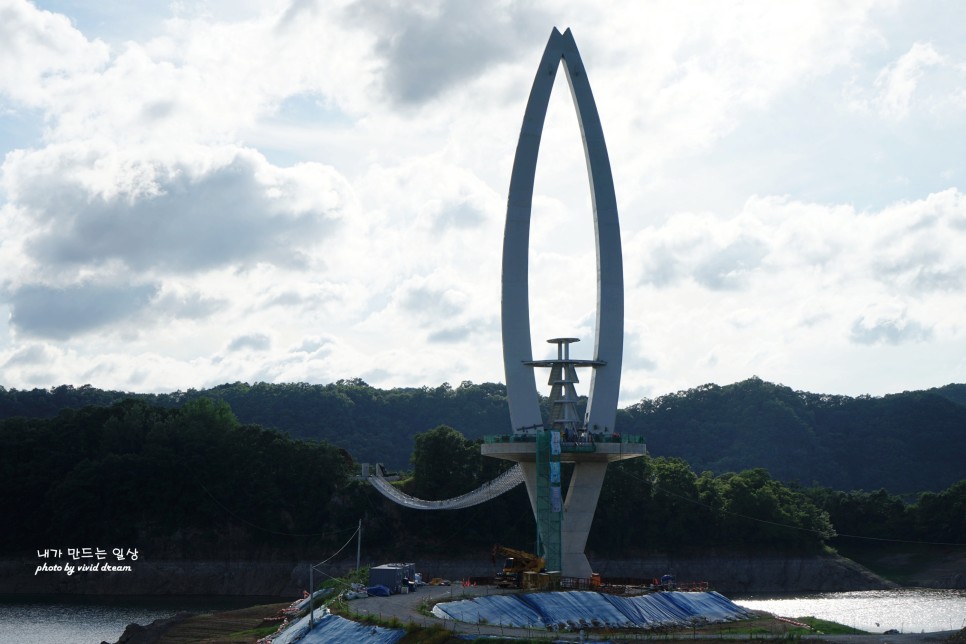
[49,620]
[908,610]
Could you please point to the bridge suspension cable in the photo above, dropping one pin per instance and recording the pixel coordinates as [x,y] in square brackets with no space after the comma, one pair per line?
[489,490]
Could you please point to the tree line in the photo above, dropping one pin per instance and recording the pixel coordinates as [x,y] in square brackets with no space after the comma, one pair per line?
[905,443]
[189,482]
[195,482]
[661,504]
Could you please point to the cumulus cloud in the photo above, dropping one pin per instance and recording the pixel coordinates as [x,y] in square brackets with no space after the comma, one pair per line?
[41,52]
[250,342]
[637,355]
[313,345]
[727,266]
[917,243]
[437,196]
[191,305]
[909,247]
[336,173]
[61,312]
[897,83]
[31,354]
[221,207]
[460,214]
[427,48]
[888,329]
[431,302]
[924,81]
[719,255]
[458,333]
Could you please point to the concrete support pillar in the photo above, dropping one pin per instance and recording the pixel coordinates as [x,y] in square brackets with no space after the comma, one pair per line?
[579,508]
[529,469]
[578,515]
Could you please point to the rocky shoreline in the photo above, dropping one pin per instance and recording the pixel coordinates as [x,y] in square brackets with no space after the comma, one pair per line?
[727,574]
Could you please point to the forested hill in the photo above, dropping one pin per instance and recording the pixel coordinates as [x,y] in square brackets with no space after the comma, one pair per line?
[374,425]
[904,443]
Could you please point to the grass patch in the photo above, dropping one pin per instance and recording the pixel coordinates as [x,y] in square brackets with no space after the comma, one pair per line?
[229,626]
[256,633]
[426,608]
[762,627]
[371,619]
[829,628]
[427,635]
[507,640]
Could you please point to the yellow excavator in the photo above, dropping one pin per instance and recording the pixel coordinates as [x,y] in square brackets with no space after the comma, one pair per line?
[517,562]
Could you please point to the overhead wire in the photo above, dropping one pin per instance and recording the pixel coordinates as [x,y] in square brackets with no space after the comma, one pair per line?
[353,536]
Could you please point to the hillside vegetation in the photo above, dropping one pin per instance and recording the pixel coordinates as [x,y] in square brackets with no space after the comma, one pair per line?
[904,443]
[194,483]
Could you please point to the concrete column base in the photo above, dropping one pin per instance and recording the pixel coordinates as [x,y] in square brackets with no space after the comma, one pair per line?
[583,493]
[578,516]
[578,513]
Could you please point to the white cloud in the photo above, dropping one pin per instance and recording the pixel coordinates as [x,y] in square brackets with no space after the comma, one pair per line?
[316,190]
[41,52]
[213,207]
[825,279]
[424,49]
[250,342]
[61,312]
[924,82]
[897,83]
[891,328]
[29,354]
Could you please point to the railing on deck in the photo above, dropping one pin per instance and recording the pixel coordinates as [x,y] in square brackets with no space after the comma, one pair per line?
[628,439]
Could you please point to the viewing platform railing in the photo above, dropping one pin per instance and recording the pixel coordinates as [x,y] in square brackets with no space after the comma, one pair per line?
[627,439]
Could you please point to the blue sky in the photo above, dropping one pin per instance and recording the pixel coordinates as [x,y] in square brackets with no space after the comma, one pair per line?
[200,192]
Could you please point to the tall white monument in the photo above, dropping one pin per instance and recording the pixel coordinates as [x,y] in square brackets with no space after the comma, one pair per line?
[589,443]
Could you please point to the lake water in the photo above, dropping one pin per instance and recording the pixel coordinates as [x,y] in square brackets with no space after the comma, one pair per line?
[906,610]
[47,620]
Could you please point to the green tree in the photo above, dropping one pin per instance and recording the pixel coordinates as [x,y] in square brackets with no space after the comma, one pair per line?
[445,464]
[677,513]
[942,517]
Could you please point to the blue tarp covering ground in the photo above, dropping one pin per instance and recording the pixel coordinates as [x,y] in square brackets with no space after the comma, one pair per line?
[589,610]
[332,629]
[577,610]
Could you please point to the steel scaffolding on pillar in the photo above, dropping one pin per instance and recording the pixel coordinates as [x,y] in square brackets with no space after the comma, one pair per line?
[549,499]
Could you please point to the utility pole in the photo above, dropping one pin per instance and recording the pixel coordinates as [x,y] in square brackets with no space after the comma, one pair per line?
[358,544]
[311,598]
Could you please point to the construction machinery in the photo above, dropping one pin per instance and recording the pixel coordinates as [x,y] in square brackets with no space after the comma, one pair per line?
[517,563]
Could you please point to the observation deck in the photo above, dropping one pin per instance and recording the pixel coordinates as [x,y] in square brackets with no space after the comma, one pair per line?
[605,448]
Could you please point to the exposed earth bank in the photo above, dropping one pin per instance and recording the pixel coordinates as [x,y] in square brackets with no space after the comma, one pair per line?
[726,574]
